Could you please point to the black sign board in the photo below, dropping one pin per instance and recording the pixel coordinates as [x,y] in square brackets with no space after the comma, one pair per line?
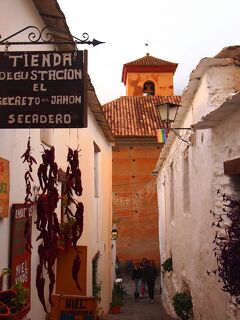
[20,259]
[43,89]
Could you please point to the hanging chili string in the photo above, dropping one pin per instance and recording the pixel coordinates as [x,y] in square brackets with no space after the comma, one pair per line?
[47,223]
[30,160]
[74,227]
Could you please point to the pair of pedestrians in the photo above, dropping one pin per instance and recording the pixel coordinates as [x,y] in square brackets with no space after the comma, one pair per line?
[144,272]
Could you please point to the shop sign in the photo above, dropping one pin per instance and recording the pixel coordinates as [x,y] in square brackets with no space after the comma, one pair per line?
[4,188]
[20,259]
[70,307]
[43,89]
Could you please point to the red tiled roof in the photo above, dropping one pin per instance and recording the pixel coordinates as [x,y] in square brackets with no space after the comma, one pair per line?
[136,116]
[148,64]
[149,61]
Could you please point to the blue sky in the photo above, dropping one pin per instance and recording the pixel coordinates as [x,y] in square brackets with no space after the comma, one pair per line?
[183,32]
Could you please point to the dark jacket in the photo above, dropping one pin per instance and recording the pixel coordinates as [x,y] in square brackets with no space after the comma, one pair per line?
[136,273]
[150,272]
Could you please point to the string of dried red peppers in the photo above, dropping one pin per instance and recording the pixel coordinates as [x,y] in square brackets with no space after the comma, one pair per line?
[47,223]
[74,228]
[30,160]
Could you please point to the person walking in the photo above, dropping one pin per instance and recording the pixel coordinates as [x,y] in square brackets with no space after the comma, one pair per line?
[137,277]
[150,275]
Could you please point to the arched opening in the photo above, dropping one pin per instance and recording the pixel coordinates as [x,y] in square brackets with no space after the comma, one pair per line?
[149,88]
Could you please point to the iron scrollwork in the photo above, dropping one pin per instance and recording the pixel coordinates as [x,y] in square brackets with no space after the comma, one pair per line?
[47,36]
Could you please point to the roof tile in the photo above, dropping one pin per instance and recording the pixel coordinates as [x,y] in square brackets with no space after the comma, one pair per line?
[136,116]
[149,61]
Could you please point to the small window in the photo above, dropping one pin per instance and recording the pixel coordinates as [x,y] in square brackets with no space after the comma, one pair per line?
[149,88]
[97,150]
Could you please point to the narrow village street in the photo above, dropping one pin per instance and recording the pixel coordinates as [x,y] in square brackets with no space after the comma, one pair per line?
[119,204]
[142,309]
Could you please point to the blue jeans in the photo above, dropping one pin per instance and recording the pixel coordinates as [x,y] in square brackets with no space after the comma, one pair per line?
[138,285]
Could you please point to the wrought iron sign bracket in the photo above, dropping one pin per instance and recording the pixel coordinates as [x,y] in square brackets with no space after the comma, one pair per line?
[46,36]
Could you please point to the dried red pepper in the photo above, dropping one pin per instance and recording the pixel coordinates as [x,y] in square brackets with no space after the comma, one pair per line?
[74,187]
[75,270]
[47,222]
[30,160]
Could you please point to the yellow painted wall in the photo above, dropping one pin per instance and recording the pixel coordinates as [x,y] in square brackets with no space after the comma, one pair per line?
[163,83]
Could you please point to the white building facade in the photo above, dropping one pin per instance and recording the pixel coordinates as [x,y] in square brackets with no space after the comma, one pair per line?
[95,157]
[189,175]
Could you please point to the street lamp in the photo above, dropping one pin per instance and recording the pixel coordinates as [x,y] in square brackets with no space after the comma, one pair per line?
[168,112]
[114,234]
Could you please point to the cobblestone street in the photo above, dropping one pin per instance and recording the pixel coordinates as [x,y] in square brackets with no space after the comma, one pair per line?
[142,309]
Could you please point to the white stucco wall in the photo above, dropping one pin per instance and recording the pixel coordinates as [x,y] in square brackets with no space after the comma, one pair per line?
[97,210]
[188,236]
[15,15]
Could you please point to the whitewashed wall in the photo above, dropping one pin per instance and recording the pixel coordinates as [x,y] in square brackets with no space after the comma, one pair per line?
[97,210]
[15,15]
[188,235]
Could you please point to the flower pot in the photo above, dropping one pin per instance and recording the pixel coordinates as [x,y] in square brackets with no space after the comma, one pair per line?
[116,309]
[6,296]
[21,313]
[11,313]
[4,311]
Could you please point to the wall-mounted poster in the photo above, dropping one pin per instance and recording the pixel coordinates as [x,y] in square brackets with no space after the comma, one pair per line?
[4,188]
[20,259]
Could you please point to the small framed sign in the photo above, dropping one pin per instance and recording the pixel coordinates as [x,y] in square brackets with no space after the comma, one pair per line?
[20,259]
[72,307]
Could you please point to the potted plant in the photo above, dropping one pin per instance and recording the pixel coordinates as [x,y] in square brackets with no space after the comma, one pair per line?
[118,294]
[116,304]
[66,228]
[14,301]
[4,311]
[182,304]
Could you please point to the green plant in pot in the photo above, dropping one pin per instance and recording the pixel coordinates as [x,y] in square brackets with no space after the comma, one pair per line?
[118,291]
[21,297]
[117,298]
[182,304]
[116,304]
[14,302]
[66,229]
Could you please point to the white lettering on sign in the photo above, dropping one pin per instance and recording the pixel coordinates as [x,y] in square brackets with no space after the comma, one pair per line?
[39,118]
[19,101]
[31,101]
[22,272]
[42,75]
[52,59]
[65,99]
[20,213]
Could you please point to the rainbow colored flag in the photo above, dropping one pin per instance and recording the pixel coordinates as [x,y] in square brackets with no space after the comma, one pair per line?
[161,135]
